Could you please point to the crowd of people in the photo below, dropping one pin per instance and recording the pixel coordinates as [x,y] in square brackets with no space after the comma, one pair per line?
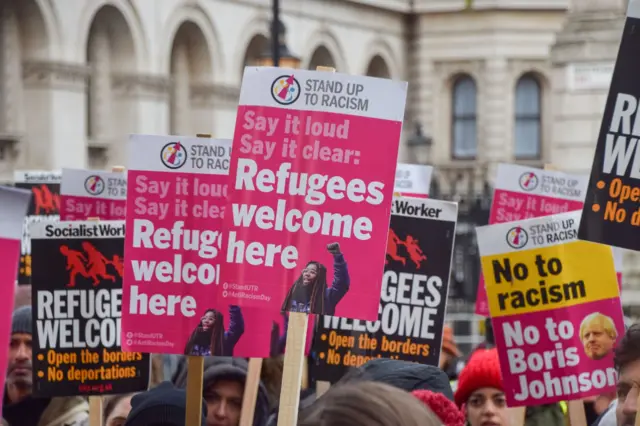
[462,391]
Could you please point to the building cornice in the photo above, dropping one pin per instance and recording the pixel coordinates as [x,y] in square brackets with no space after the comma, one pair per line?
[53,74]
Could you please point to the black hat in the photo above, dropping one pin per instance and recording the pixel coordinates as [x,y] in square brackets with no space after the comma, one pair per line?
[162,405]
[21,320]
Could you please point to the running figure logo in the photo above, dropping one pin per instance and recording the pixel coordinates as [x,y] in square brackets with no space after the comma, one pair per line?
[173,155]
[91,264]
[94,185]
[411,247]
[45,201]
[528,181]
[517,237]
[285,90]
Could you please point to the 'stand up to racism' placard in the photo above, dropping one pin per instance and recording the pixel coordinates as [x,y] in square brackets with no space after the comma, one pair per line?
[413,299]
[413,180]
[45,205]
[555,309]
[88,194]
[525,192]
[611,212]
[311,181]
[77,308]
[174,300]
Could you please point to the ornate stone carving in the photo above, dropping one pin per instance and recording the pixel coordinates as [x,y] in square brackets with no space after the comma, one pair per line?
[52,74]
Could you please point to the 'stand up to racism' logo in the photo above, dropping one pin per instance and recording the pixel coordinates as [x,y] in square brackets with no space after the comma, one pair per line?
[528,181]
[94,185]
[517,237]
[411,252]
[285,89]
[173,155]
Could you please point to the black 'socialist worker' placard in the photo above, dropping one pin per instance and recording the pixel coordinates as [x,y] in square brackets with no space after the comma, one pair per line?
[611,213]
[413,299]
[77,305]
[44,206]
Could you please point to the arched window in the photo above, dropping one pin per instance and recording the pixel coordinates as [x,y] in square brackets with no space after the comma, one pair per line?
[527,129]
[464,119]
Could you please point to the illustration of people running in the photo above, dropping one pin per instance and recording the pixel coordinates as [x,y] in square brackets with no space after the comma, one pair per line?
[75,264]
[310,293]
[116,262]
[392,248]
[210,338]
[97,264]
[415,252]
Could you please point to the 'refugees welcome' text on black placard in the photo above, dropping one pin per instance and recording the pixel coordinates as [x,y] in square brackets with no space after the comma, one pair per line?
[77,270]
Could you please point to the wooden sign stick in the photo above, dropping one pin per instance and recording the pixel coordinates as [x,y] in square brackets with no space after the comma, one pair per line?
[251,387]
[294,358]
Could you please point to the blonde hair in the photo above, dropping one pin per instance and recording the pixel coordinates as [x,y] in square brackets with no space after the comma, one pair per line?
[368,404]
[602,320]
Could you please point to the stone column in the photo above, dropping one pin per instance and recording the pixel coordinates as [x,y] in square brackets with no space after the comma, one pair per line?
[11,88]
[180,97]
[100,97]
[495,132]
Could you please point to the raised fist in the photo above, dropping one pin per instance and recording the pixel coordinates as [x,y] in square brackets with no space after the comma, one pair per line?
[334,248]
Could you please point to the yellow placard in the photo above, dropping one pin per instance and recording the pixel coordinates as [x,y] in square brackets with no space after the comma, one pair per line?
[547,278]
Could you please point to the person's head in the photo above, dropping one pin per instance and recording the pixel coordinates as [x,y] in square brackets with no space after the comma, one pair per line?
[367,404]
[163,405]
[405,375]
[223,389]
[598,335]
[627,362]
[210,331]
[480,390]
[116,409]
[314,274]
[19,373]
[441,406]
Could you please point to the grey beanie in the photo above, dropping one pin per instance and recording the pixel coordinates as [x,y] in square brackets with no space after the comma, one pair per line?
[21,321]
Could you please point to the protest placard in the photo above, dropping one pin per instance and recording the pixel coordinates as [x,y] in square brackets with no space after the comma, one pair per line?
[92,194]
[413,180]
[173,296]
[77,309]
[555,309]
[525,192]
[45,205]
[413,299]
[309,192]
[13,209]
[611,214]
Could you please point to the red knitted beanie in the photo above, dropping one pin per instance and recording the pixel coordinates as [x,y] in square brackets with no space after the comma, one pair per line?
[442,406]
[482,371]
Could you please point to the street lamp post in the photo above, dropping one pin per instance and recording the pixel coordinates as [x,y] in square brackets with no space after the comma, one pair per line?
[417,142]
[277,53]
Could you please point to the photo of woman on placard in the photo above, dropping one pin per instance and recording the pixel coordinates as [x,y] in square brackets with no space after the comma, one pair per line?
[210,338]
[310,293]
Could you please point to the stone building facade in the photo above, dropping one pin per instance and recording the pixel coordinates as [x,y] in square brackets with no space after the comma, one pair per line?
[490,80]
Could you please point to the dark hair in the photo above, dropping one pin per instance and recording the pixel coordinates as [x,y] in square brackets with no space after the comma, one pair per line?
[110,402]
[214,336]
[628,349]
[317,292]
